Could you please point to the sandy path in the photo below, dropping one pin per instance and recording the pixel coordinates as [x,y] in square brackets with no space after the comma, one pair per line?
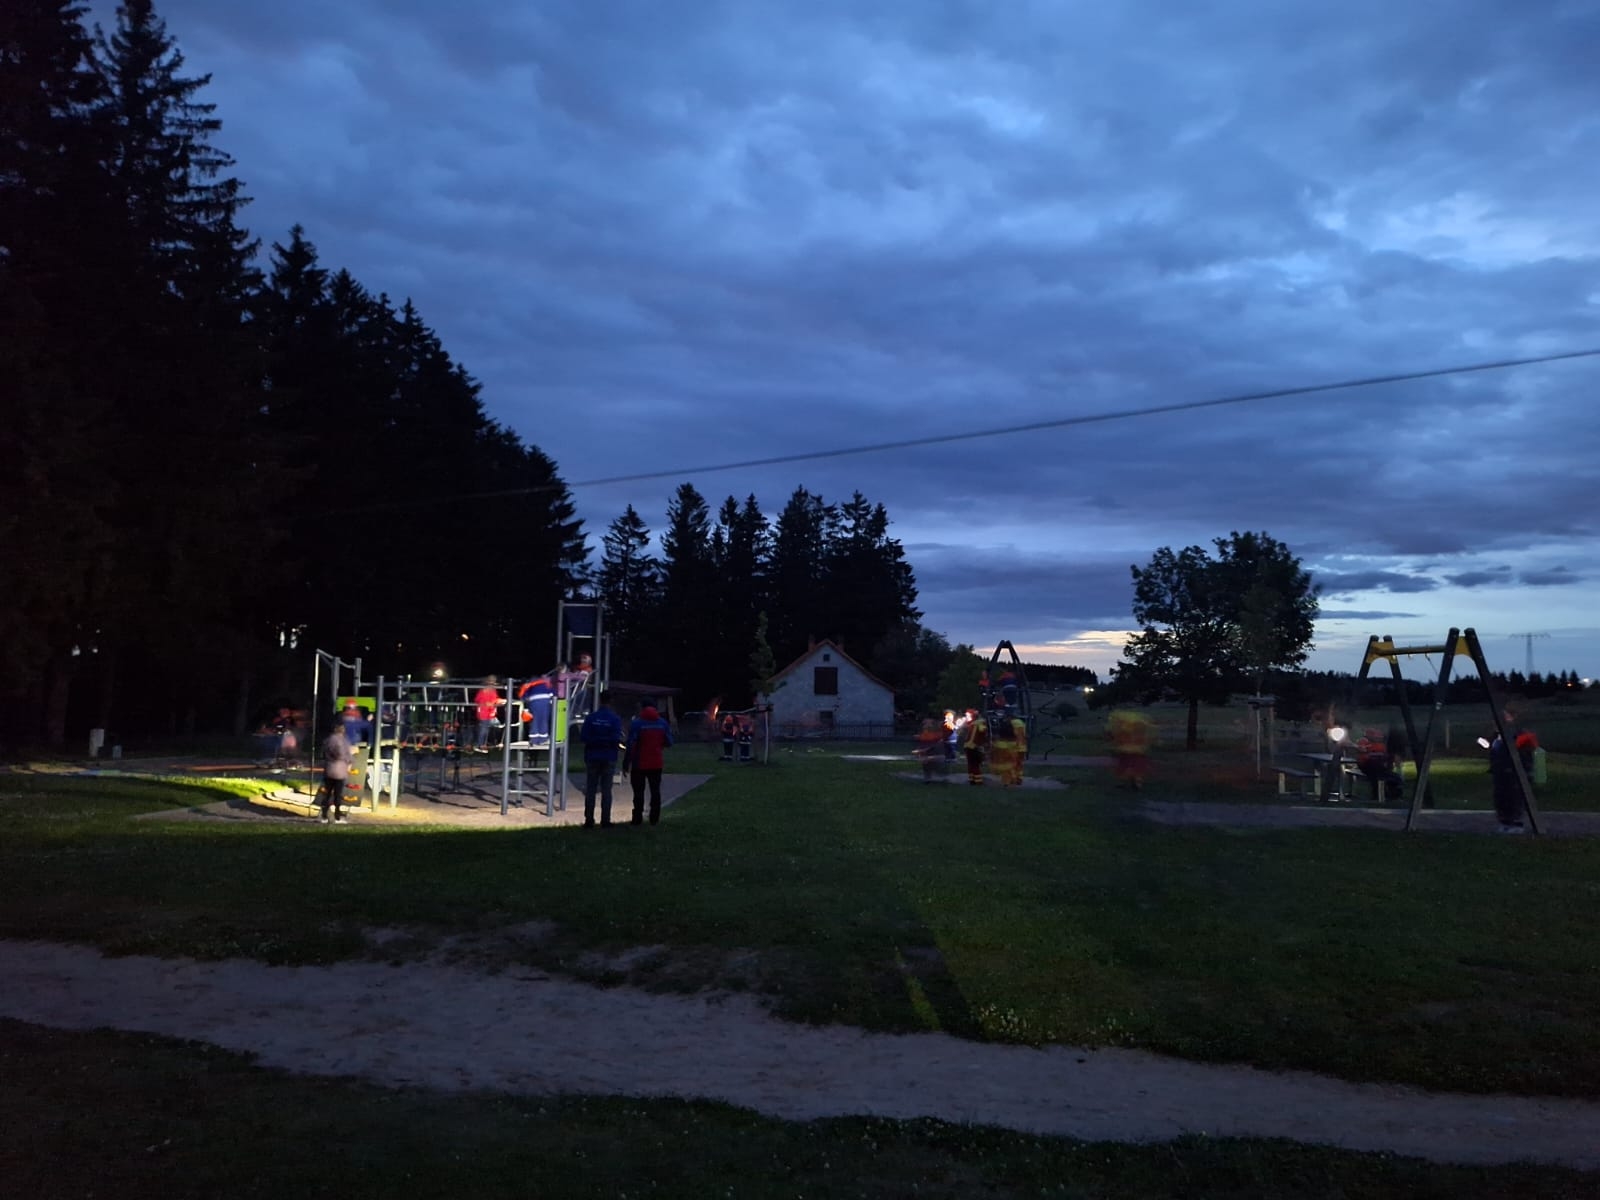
[525,1032]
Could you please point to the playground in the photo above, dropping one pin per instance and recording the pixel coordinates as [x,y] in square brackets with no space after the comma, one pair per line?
[1203,956]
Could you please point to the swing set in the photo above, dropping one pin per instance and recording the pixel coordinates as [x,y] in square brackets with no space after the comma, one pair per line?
[1457,644]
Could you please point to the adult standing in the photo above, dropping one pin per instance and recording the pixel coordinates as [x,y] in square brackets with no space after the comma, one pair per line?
[335,773]
[1129,732]
[1002,744]
[648,738]
[976,741]
[1509,802]
[1019,750]
[601,734]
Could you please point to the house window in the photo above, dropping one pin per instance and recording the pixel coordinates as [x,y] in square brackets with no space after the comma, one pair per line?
[825,718]
[825,681]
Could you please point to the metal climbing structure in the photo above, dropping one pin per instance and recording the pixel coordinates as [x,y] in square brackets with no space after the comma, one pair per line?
[420,728]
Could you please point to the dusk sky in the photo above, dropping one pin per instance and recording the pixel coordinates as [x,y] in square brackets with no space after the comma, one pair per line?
[668,234]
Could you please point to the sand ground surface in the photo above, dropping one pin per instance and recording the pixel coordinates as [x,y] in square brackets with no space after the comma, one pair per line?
[520,1031]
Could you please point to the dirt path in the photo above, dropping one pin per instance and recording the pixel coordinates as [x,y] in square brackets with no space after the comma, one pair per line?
[524,1032]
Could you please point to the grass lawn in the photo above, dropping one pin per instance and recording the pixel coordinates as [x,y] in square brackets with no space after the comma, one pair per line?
[846,894]
[132,1116]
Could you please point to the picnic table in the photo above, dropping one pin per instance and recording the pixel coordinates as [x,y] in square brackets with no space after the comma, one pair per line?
[1334,771]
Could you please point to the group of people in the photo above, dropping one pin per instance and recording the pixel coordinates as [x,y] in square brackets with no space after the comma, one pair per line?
[538,697]
[281,738]
[643,752]
[738,737]
[1000,740]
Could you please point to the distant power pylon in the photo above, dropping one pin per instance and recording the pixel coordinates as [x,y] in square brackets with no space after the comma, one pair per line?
[1528,638]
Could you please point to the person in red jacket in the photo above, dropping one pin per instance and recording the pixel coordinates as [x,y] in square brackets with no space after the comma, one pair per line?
[648,738]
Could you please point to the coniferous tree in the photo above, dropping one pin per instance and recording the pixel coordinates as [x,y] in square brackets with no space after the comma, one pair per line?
[192,476]
[56,266]
[870,590]
[740,548]
[797,588]
[628,580]
[198,464]
[683,641]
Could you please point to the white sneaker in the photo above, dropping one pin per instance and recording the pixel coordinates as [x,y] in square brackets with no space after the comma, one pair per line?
[323,819]
[339,820]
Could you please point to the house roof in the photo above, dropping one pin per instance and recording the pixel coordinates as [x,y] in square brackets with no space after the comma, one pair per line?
[628,688]
[835,647]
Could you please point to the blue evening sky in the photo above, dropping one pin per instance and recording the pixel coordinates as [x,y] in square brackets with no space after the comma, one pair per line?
[667,233]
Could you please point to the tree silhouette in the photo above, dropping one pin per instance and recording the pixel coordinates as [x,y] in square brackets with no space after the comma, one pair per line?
[1206,622]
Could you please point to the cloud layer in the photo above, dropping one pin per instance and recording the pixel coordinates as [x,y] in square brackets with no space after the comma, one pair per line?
[670,236]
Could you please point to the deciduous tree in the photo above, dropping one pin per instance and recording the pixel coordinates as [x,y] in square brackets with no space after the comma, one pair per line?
[1207,622]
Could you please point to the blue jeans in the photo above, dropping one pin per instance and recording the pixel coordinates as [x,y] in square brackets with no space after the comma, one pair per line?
[598,775]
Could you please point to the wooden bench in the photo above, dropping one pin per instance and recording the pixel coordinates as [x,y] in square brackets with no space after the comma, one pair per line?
[1307,783]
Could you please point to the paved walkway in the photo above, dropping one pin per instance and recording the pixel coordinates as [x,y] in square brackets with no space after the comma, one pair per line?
[1350,816]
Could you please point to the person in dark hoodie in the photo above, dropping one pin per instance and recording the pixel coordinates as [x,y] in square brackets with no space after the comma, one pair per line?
[648,738]
[600,734]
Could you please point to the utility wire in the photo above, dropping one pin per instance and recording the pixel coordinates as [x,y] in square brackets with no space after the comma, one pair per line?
[972,435]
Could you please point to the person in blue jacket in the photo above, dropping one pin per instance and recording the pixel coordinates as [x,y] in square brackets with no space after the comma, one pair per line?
[601,735]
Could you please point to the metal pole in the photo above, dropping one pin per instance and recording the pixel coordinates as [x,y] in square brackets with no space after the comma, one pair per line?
[505,750]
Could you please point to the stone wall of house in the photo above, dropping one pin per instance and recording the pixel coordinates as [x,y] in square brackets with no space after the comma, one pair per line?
[861,699]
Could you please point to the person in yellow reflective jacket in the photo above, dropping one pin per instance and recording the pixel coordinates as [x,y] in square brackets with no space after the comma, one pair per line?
[974,744]
[1019,751]
[1129,733]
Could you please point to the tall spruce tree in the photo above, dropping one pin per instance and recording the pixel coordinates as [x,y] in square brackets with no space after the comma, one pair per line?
[797,603]
[740,548]
[870,589]
[628,580]
[57,271]
[193,478]
[683,641]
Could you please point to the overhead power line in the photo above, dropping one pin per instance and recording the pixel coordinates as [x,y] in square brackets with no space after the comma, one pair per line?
[972,435]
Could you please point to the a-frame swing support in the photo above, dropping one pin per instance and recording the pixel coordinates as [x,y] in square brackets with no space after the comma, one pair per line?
[1024,699]
[1463,643]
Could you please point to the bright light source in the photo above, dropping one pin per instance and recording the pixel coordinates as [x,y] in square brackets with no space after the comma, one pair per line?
[465,638]
[1484,742]
[1338,733]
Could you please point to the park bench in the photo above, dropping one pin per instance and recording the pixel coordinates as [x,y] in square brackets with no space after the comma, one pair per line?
[1307,783]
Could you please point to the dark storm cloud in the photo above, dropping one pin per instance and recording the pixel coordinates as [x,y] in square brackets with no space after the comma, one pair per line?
[1555,577]
[1350,582]
[666,236]
[1493,575]
[1367,614]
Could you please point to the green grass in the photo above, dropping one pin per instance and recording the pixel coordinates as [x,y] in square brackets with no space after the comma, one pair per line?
[132,1116]
[846,894]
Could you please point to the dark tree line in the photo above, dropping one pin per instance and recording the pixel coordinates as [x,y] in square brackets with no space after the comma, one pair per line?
[206,469]
[734,595]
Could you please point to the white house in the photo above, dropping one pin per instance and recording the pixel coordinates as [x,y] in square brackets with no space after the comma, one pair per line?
[826,689]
